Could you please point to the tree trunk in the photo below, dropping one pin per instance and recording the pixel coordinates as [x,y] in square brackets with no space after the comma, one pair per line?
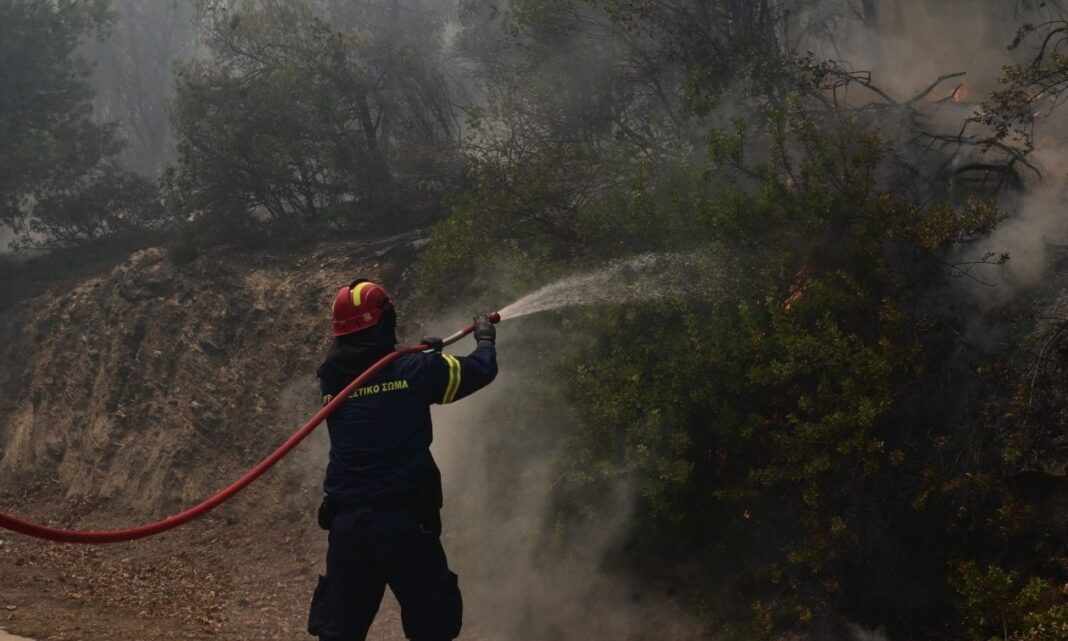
[703,11]
[871,14]
[381,187]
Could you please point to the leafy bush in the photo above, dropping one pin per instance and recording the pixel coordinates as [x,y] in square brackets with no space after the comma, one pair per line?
[109,204]
[999,604]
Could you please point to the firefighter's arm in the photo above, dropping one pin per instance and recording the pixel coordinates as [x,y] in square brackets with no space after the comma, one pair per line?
[454,377]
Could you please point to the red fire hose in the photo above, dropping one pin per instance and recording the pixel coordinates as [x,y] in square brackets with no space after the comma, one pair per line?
[114,536]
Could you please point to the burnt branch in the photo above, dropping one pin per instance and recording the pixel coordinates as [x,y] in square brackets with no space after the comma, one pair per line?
[979,158]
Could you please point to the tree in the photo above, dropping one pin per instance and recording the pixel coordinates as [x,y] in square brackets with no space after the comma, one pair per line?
[134,75]
[51,148]
[293,122]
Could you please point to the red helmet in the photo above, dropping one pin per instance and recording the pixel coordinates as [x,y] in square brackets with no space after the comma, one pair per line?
[359,306]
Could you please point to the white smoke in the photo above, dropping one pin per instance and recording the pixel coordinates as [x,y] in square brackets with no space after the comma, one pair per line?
[861,634]
[499,467]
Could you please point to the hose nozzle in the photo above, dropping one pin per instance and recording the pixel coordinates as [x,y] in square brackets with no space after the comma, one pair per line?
[493,317]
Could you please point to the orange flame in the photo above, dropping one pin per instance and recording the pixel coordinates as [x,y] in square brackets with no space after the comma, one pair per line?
[960,94]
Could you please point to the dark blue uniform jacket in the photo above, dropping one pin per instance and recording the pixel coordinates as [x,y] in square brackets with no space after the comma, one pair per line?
[380,438]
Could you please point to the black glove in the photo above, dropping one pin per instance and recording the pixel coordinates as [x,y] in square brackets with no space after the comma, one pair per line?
[484,329]
[433,342]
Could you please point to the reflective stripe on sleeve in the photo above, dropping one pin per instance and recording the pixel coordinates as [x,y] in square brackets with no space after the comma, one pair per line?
[454,378]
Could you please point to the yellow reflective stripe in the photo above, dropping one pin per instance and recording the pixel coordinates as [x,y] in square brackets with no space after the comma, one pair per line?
[327,398]
[357,292]
[454,378]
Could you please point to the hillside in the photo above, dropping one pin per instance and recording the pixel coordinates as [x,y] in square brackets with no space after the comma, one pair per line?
[130,395]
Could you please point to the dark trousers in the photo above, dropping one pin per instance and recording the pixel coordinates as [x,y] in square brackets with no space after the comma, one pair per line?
[370,549]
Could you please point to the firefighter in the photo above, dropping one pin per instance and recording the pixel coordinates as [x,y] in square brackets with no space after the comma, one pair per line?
[383,489]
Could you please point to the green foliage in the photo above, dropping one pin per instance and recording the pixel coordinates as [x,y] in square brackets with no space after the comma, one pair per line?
[555,208]
[573,162]
[293,123]
[769,439]
[1051,625]
[776,431]
[48,132]
[1029,90]
[999,604]
[53,155]
[108,204]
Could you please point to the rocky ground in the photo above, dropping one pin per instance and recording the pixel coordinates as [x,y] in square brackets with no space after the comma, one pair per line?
[221,578]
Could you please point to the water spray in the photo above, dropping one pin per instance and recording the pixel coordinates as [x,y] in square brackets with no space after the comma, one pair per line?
[642,277]
[617,281]
[494,317]
[115,536]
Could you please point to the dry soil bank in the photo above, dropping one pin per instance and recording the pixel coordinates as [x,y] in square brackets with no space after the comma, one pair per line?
[122,400]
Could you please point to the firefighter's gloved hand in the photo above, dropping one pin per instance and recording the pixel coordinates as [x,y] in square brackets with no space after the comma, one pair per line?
[433,342]
[484,329]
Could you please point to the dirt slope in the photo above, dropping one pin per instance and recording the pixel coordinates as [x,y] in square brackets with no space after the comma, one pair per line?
[122,399]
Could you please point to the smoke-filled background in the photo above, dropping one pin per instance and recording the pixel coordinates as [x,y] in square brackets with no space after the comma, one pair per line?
[798,369]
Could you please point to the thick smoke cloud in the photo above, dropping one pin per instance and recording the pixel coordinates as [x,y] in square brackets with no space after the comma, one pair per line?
[5,240]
